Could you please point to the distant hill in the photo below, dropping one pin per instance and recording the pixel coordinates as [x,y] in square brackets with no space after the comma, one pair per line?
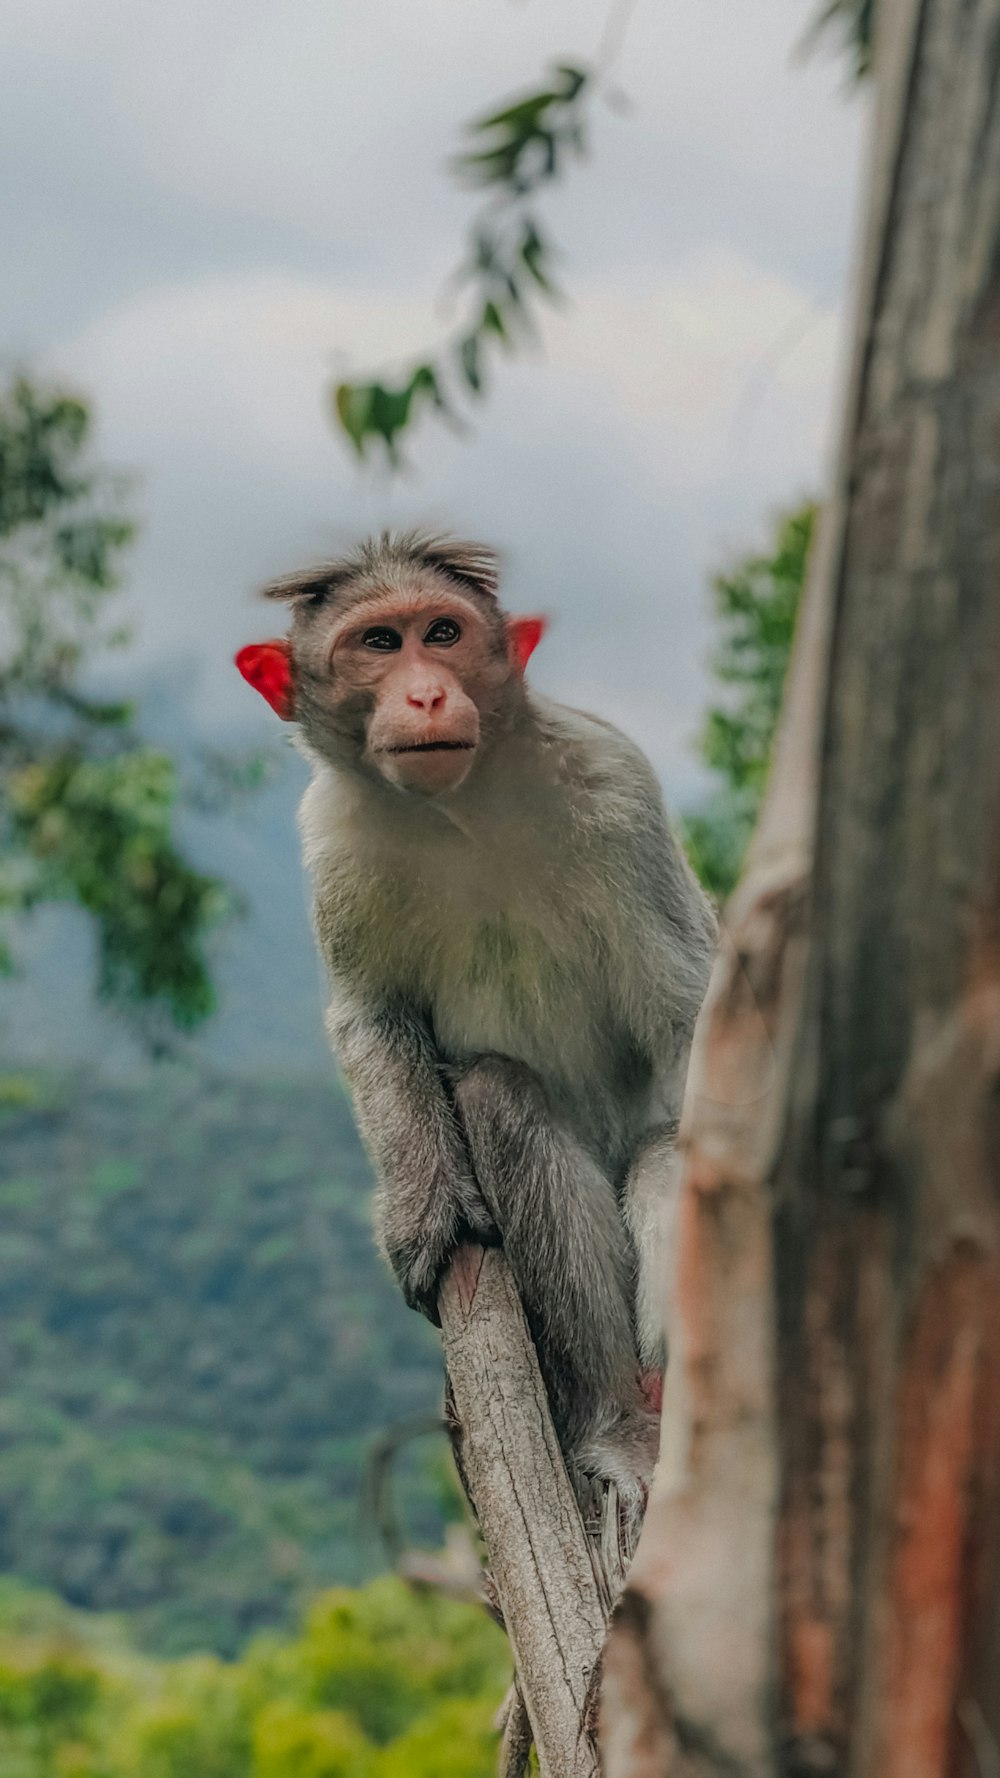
[197,1341]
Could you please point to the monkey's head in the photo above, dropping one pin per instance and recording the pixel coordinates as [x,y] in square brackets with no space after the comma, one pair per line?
[400,661]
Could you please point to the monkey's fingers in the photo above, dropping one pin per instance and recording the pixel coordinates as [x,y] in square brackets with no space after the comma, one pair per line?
[419,1272]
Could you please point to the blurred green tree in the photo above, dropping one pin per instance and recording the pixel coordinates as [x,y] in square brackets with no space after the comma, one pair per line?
[197,1723]
[291,1742]
[87,813]
[77,1701]
[756,605]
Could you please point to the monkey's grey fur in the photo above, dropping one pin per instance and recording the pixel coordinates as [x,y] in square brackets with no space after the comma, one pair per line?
[516,969]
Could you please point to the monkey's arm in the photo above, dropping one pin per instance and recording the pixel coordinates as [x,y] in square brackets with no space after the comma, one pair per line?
[426,1198]
[667,944]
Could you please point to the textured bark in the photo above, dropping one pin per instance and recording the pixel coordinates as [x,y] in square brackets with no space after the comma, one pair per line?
[817,1587]
[550,1587]
[887,1210]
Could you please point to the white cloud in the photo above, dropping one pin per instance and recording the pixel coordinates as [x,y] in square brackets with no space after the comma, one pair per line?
[235,367]
[704,357]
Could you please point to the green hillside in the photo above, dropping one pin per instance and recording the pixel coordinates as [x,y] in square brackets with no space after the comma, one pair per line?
[197,1342]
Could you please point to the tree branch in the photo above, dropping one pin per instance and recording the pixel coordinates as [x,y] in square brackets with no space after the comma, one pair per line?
[551,1587]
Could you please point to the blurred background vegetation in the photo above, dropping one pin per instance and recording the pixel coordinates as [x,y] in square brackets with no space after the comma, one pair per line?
[86,811]
[197,1342]
[375,1683]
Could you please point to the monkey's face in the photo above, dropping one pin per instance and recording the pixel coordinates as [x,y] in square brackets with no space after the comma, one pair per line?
[410,683]
[413,679]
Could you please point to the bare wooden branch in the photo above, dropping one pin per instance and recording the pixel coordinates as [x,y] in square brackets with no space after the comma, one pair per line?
[454,1570]
[540,1555]
[378,1507]
[515,1736]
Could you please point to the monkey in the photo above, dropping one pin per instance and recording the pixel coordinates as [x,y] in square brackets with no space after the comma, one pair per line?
[516,949]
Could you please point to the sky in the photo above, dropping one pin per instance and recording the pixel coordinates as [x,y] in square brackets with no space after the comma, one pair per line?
[213,208]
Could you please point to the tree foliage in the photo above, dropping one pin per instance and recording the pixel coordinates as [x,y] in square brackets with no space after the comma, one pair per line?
[378,1683]
[756,605]
[87,813]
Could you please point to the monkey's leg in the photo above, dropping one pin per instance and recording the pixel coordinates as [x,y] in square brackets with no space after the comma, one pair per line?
[650,1204]
[568,1248]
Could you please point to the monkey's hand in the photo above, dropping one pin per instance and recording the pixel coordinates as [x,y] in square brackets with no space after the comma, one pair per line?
[421,1222]
[419,1270]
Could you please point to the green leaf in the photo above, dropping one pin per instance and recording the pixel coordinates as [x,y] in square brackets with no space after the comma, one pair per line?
[756,605]
[856,19]
[389,411]
[353,405]
[516,148]
[522,116]
[87,814]
[424,382]
[468,353]
[533,253]
[574,81]
[493,322]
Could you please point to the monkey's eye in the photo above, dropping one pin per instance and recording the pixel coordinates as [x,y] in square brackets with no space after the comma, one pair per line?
[443,633]
[380,636]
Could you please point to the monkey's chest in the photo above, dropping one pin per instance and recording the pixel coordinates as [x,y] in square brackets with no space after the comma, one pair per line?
[521,987]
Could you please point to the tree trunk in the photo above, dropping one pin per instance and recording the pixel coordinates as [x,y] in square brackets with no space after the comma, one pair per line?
[817,1588]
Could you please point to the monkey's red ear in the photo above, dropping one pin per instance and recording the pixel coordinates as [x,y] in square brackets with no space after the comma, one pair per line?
[524,635]
[267,666]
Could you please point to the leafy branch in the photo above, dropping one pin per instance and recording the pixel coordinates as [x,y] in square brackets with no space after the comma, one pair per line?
[88,814]
[756,605]
[513,153]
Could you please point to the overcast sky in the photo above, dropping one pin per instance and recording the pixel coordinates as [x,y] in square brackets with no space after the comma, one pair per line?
[210,208]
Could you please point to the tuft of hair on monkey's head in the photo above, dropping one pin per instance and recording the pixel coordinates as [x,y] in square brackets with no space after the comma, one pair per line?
[389,561]
[400,658]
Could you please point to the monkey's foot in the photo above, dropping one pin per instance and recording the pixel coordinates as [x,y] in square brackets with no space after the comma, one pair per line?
[624,1452]
[651,1384]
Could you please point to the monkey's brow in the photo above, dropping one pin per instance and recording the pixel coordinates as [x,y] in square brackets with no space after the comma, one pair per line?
[379,607]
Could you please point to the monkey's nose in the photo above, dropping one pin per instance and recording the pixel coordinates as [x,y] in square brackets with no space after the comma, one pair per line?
[428,698]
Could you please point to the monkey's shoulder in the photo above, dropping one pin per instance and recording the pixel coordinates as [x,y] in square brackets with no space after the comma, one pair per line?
[599,766]
[629,835]
[609,788]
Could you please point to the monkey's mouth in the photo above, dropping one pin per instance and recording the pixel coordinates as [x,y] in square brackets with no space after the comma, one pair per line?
[435,747]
